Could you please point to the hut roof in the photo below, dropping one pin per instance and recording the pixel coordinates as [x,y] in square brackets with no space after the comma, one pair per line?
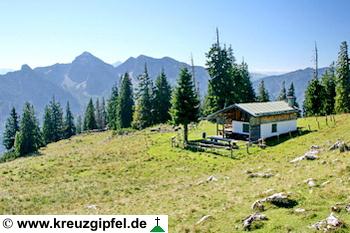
[259,109]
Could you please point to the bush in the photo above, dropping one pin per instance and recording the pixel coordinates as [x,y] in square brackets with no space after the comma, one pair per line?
[8,156]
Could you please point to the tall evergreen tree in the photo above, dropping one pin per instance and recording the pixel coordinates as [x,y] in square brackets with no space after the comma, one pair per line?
[162,97]
[98,114]
[314,96]
[104,114]
[185,103]
[28,139]
[47,129]
[263,94]
[328,83]
[342,99]
[126,102]
[79,125]
[11,128]
[53,122]
[244,88]
[291,90]
[69,126]
[90,120]
[283,93]
[220,87]
[142,117]
[314,93]
[112,108]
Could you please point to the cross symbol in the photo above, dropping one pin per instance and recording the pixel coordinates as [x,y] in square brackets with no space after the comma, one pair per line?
[157,219]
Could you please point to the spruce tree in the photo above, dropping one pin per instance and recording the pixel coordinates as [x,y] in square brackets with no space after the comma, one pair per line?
[342,99]
[98,114]
[263,94]
[11,128]
[47,129]
[291,92]
[283,93]
[185,103]
[314,96]
[53,122]
[245,88]
[89,119]
[328,83]
[28,139]
[112,108]
[104,114]
[69,126]
[126,102]
[220,87]
[162,98]
[142,116]
[79,125]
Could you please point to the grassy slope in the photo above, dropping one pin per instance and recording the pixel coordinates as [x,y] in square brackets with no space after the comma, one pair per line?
[142,174]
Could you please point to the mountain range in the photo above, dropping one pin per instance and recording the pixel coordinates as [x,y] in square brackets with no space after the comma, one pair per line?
[88,76]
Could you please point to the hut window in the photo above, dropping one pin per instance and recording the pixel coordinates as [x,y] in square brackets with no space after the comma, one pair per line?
[274,128]
[245,128]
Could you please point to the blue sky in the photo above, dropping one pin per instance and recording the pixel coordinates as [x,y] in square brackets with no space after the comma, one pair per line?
[271,35]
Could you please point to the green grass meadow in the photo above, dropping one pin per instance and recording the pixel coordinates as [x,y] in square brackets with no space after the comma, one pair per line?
[140,173]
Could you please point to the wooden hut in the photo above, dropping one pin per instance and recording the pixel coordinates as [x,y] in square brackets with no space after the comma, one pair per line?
[253,121]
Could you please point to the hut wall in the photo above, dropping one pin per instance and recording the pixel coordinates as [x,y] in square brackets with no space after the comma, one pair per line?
[281,128]
[237,127]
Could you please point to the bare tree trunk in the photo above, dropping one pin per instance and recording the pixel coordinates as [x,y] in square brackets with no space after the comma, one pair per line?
[185,134]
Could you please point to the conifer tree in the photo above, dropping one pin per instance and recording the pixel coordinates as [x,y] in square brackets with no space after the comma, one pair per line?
[112,108]
[69,126]
[90,120]
[126,102]
[342,99]
[291,90]
[104,113]
[162,97]
[79,125]
[98,114]
[220,87]
[185,103]
[142,116]
[28,139]
[283,93]
[328,83]
[245,88]
[47,129]
[263,94]
[53,122]
[314,96]
[11,128]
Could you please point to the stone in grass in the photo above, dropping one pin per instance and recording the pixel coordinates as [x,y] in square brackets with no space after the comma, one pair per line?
[249,221]
[203,219]
[258,206]
[331,223]
[310,182]
[299,210]
[260,174]
[341,145]
[212,178]
[91,207]
[347,208]
[280,200]
[310,155]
